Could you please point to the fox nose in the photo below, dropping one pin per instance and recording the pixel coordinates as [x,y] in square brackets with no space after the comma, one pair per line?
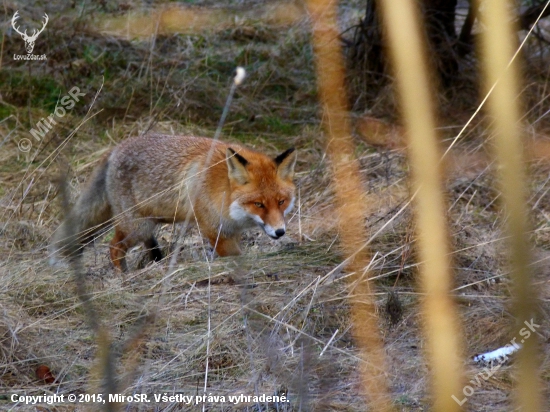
[279,232]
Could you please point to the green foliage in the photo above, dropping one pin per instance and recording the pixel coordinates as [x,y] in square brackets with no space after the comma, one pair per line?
[22,89]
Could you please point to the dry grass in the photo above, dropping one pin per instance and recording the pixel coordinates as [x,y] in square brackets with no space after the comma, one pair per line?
[284,325]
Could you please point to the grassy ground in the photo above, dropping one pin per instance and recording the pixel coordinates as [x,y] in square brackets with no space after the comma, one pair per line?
[275,320]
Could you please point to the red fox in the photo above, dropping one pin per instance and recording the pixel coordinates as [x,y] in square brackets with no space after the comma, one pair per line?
[156,178]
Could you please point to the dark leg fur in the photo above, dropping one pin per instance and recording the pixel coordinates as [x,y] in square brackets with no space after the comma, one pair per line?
[155,254]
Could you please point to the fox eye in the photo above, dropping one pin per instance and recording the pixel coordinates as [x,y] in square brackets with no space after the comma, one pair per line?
[259,205]
[281,202]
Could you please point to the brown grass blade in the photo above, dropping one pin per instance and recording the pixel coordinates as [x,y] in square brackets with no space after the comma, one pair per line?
[350,197]
[440,318]
[498,45]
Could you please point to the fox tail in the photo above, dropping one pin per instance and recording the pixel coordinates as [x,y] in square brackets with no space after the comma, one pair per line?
[89,215]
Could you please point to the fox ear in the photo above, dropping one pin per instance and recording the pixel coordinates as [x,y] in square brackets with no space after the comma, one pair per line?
[285,164]
[236,165]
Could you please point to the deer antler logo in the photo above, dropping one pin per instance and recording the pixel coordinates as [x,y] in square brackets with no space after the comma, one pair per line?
[29,40]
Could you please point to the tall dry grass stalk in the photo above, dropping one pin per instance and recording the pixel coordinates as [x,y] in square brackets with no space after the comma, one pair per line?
[498,44]
[442,332]
[350,197]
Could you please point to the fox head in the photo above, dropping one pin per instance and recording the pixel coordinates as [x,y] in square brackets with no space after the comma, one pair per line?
[262,190]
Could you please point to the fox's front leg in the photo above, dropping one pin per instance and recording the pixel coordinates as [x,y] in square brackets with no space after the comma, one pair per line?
[225,246]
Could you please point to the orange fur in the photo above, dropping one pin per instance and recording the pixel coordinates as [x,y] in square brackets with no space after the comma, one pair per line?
[155,179]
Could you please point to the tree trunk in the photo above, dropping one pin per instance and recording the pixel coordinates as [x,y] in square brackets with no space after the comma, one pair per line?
[439,18]
[367,50]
